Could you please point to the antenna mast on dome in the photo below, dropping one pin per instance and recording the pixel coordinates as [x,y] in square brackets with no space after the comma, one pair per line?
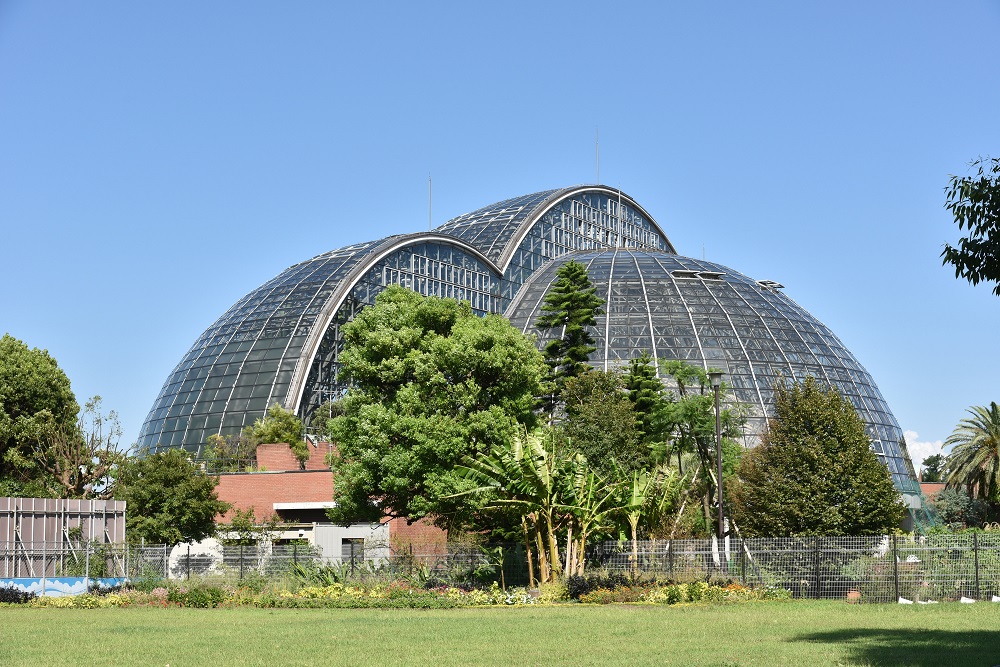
[597,152]
[430,205]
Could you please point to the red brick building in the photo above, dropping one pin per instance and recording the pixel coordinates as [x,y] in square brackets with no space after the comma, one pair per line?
[299,494]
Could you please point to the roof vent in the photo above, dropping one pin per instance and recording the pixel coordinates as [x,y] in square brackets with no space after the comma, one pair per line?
[684,273]
[711,275]
[770,285]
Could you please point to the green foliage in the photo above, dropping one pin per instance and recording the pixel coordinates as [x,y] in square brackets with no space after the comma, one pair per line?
[230,453]
[601,422]
[570,307]
[246,528]
[199,597]
[645,391]
[974,202]
[35,400]
[814,472]
[933,468]
[320,417]
[955,509]
[14,595]
[974,461]
[431,383]
[279,425]
[169,499]
[685,420]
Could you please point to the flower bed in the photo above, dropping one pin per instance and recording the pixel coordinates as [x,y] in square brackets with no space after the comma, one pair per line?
[403,595]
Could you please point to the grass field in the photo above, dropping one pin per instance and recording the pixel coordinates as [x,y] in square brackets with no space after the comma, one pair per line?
[789,633]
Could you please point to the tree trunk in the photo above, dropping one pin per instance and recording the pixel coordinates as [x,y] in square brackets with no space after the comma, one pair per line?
[527,551]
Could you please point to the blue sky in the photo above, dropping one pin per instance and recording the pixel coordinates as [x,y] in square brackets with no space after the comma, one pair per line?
[160,160]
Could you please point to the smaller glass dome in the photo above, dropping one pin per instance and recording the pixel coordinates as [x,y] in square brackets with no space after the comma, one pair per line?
[677,307]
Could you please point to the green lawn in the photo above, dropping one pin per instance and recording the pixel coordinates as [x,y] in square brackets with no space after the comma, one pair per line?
[790,633]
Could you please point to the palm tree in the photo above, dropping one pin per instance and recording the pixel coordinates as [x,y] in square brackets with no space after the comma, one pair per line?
[974,461]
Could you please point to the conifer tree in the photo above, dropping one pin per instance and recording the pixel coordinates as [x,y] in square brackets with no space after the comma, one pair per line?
[645,390]
[571,306]
[814,472]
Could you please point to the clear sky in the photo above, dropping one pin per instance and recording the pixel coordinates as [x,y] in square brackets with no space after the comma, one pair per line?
[160,160]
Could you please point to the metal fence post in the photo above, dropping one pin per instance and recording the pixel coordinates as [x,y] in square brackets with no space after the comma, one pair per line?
[43,569]
[295,554]
[670,557]
[352,558]
[189,562]
[241,561]
[895,567]
[975,553]
[86,569]
[743,560]
[816,576]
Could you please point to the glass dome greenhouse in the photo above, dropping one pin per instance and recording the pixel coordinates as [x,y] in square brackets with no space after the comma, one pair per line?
[281,342]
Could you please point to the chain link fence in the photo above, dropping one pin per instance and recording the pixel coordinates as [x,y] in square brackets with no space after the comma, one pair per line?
[873,569]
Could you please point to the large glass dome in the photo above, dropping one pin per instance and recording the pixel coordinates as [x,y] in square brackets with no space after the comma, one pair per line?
[676,307]
[281,342]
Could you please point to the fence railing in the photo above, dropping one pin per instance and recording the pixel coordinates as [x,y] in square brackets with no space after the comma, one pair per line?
[876,569]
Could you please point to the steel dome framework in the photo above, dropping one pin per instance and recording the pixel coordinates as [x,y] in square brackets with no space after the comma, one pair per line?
[281,342]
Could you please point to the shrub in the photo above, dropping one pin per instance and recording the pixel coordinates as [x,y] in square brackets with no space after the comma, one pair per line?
[14,595]
[201,597]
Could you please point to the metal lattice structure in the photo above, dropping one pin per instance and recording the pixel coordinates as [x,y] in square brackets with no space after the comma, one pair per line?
[281,343]
[677,307]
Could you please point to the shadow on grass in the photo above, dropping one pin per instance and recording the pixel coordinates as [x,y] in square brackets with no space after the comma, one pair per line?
[916,648]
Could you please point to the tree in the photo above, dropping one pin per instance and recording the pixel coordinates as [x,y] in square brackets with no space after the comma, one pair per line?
[684,423]
[571,306]
[527,474]
[601,423]
[957,510]
[645,391]
[35,401]
[814,472]
[974,461]
[279,425]
[169,499]
[933,467]
[231,453]
[975,204]
[80,460]
[430,384]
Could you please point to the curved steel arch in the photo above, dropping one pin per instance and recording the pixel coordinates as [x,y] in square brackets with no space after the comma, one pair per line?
[560,196]
[325,317]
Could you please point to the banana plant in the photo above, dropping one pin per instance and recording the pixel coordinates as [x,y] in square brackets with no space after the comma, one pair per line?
[528,476]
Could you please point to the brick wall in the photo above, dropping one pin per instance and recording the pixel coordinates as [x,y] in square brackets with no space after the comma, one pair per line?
[260,490]
[283,481]
[278,456]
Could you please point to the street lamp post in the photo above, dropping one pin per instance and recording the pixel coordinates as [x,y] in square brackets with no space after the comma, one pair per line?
[716,378]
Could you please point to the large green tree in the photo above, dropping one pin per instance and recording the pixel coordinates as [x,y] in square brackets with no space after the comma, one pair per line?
[814,472]
[169,499]
[974,461]
[35,401]
[570,307]
[601,423]
[974,202]
[431,383]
